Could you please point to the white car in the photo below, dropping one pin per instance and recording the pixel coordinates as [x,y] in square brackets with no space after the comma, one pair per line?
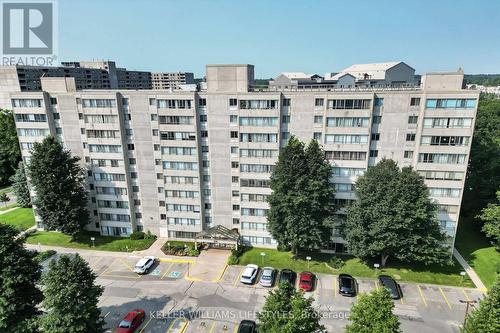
[249,274]
[143,265]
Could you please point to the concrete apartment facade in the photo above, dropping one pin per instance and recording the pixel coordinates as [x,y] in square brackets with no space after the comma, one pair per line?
[173,80]
[180,162]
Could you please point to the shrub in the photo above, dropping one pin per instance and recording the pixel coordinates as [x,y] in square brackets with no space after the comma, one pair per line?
[192,252]
[149,235]
[42,256]
[233,260]
[336,263]
[284,248]
[137,235]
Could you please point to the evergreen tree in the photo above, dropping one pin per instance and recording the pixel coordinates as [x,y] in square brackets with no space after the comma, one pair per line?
[486,318]
[4,197]
[71,297]
[287,311]
[19,275]
[372,313]
[20,186]
[59,183]
[394,216]
[10,153]
[301,203]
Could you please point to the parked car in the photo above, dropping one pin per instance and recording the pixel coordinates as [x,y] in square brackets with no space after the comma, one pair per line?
[392,286]
[287,275]
[268,276]
[143,265]
[131,321]
[306,281]
[247,326]
[249,274]
[347,285]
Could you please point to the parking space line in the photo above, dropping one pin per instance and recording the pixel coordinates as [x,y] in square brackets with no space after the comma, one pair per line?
[444,296]
[126,265]
[168,269]
[401,300]
[183,327]
[122,276]
[466,296]
[212,328]
[334,287]
[107,314]
[235,329]
[376,284]
[221,276]
[93,266]
[422,295]
[239,276]
[147,323]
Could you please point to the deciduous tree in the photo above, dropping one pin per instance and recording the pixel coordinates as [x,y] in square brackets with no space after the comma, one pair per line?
[10,153]
[59,183]
[491,218]
[394,216]
[372,313]
[302,200]
[19,275]
[71,297]
[486,318]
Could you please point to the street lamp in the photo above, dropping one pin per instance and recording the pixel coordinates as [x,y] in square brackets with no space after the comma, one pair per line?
[462,273]
[469,303]
[262,254]
[308,261]
[376,267]
[93,241]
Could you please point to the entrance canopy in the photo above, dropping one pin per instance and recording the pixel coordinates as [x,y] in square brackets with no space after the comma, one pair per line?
[218,236]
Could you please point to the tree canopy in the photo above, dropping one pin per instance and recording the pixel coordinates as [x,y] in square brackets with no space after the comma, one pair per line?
[394,216]
[286,310]
[59,182]
[301,203]
[71,297]
[10,153]
[372,313]
[20,187]
[486,317]
[19,275]
[491,218]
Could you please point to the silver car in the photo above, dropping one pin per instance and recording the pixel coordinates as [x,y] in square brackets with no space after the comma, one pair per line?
[268,276]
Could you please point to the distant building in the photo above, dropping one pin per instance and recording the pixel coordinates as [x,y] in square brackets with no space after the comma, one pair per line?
[163,80]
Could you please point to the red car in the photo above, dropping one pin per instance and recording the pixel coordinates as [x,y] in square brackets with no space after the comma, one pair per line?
[306,281]
[131,322]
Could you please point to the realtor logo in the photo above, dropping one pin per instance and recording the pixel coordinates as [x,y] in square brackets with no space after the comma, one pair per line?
[28,29]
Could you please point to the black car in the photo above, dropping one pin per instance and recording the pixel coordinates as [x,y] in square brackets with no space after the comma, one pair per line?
[247,326]
[347,285]
[392,286]
[287,275]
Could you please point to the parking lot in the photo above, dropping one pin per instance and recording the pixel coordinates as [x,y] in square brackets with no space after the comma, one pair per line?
[176,304]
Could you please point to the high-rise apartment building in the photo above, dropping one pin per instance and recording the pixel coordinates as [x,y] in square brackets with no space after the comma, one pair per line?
[180,162]
[174,80]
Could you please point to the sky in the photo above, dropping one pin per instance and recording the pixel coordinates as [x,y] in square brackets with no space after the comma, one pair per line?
[312,36]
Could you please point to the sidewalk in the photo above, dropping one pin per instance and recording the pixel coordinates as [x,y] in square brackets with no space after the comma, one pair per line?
[8,210]
[470,271]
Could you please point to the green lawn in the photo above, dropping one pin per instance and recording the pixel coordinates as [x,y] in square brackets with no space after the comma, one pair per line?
[477,250]
[21,218]
[8,206]
[447,275]
[82,241]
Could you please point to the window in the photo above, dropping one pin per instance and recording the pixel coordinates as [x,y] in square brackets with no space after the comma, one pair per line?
[412,119]
[347,172]
[234,150]
[235,193]
[444,192]
[176,120]
[286,101]
[346,155]
[410,137]
[285,135]
[258,137]
[236,221]
[318,119]
[177,165]
[408,154]
[415,101]
[259,104]
[53,101]
[204,134]
[319,102]
[233,102]
[256,168]
[235,179]
[442,158]
[264,183]
[132,161]
[203,118]
[178,136]
[345,139]
[445,140]
[152,101]
[349,103]
[317,136]
[236,207]
[379,101]
[234,135]
[377,119]
[450,103]
[31,118]
[105,148]
[26,103]
[285,119]
[130,146]
[442,175]
[258,121]
[233,119]
[260,153]
[347,121]
[373,153]
[447,122]
[235,164]
[202,101]
[174,103]
[375,136]
[98,103]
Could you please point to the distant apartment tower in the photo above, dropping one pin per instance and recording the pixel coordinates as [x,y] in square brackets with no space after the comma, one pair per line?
[163,80]
[179,163]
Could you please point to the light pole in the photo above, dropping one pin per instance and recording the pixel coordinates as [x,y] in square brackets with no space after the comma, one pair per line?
[262,254]
[376,268]
[469,303]
[93,241]
[308,261]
